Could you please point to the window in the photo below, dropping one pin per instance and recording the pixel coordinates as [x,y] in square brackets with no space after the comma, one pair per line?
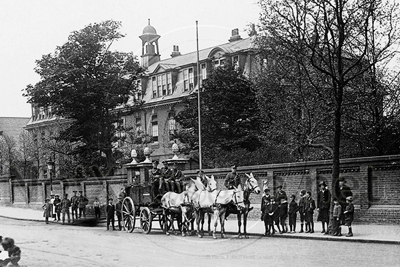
[164,84]
[188,79]
[154,128]
[159,79]
[203,75]
[171,125]
[235,61]
[169,84]
[154,86]
[219,62]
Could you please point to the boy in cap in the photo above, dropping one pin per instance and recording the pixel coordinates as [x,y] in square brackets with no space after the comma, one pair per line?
[302,210]
[349,215]
[336,214]
[110,211]
[47,210]
[310,207]
[293,208]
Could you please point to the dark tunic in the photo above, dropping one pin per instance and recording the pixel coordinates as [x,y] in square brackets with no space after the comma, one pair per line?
[232,180]
[323,202]
[349,215]
[310,207]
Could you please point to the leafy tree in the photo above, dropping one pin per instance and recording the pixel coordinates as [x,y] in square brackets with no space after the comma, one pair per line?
[8,154]
[229,117]
[85,83]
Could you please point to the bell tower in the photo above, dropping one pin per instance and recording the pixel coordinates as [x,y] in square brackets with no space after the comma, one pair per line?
[150,49]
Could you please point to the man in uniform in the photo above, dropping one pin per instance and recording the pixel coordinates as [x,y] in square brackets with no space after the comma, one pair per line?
[178,178]
[82,202]
[74,205]
[232,179]
[167,178]
[155,175]
[65,204]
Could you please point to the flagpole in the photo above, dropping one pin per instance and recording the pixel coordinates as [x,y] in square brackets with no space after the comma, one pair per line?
[198,94]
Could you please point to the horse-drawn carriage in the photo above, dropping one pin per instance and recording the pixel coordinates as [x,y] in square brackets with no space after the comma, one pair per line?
[138,203]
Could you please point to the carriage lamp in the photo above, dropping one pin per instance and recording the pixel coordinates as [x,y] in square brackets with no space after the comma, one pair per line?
[133,156]
[147,153]
[175,150]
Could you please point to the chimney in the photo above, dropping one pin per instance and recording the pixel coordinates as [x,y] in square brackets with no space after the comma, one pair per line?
[235,35]
[175,51]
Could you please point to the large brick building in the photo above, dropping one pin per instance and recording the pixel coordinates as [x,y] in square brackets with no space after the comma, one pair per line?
[163,86]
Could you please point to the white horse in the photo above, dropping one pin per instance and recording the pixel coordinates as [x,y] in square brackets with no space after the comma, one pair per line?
[205,200]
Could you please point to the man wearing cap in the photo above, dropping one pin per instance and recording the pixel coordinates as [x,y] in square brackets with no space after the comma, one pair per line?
[74,206]
[178,178]
[82,202]
[65,204]
[155,175]
[323,204]
[232,179]
[342,192]
[167,179]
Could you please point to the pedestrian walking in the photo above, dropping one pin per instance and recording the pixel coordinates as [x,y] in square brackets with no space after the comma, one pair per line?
[323,205]
[65,205]
[74,206]
[310,207]
[96,206]
[302,210]
[349,215]
[293,208]
[110,211]
[14,252]
[47,210]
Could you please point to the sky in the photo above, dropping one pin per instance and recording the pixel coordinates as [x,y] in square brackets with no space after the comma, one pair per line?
[32,28]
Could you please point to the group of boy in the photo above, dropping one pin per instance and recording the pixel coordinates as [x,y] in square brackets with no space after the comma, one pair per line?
[54,207]
[275,210]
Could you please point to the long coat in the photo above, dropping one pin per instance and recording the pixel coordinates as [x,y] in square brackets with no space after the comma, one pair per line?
[47,209]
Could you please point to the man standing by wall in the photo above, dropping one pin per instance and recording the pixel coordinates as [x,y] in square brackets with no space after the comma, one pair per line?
[74,205]
[324,203]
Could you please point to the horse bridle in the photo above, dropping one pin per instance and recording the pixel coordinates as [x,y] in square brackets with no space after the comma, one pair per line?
[250,185]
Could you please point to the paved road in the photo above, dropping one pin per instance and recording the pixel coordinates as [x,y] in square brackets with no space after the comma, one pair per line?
[66,245]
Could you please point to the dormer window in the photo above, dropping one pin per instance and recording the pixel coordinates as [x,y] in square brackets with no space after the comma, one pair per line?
[162,85]
[219,62]
[188,79]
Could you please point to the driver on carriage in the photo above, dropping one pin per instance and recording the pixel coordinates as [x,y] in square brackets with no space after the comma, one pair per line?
[167,178]
[232,179]
[155,176]
[179,178]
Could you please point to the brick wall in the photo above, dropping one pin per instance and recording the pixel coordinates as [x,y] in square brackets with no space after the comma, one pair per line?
[375,183]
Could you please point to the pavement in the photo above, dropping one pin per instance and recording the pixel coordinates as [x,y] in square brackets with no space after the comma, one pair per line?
[364,233]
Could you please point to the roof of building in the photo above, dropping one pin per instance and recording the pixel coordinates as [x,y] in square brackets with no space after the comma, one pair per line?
[190,58]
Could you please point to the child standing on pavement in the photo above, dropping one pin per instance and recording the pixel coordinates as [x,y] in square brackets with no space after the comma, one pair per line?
[302,210]
[337,211]
[310,207]
[110,211]
[47,210]
[349,215]
[293,208]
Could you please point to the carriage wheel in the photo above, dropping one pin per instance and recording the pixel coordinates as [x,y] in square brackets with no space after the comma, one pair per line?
[128,214]
[145,220]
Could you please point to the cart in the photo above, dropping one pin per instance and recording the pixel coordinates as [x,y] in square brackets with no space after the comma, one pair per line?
[138,203]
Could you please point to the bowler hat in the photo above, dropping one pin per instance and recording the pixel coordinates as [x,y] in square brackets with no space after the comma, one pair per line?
[266,190]
[303,192]
[279,186]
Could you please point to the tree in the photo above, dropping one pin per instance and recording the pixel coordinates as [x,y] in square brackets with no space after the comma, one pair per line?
[84,82]
[229,117]
[333,40]
[8,154]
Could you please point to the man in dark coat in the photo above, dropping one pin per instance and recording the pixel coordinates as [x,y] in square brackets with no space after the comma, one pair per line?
[281,200]
[74,206]
[232,179]
[65,204]
[302,210]
[323,204]
[155,175]
[310,207]
[167,179]
[118,212]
